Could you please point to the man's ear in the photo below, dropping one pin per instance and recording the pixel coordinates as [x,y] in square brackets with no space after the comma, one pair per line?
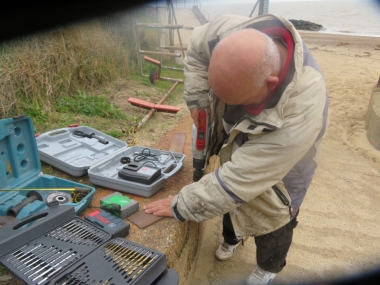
[272,82]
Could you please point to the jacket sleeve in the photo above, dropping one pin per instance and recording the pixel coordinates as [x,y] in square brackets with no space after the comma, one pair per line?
[260,163]
[195,69]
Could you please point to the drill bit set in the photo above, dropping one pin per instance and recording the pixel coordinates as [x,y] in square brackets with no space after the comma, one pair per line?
[117,262]
[59,248]
[54,251]
[37,262]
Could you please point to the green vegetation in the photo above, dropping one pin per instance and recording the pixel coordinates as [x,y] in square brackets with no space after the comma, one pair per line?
[37,70]
[66,76]
[88,105]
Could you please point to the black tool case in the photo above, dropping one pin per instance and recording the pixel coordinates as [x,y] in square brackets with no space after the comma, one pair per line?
[60,248]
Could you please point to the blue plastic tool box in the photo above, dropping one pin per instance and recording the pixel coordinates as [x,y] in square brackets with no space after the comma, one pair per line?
[101,158]
[20,168]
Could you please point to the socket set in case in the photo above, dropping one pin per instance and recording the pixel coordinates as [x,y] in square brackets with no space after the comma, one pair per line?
[60,248]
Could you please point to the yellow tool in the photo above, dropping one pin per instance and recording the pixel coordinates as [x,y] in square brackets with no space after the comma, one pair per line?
[78,193]
[78,189]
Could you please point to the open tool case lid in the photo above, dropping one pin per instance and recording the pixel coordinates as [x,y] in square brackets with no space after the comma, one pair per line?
[78,155]
[19,160]
[75,154]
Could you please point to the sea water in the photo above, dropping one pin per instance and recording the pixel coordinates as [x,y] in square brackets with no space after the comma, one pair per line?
[352,17]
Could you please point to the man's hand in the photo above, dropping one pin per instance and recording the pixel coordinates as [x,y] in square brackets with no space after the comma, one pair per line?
[195,115]
[161,207]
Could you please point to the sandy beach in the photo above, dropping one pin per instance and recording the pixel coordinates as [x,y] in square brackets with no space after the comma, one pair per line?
[338,232]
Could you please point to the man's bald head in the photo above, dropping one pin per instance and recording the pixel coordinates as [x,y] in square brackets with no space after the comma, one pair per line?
[240,65]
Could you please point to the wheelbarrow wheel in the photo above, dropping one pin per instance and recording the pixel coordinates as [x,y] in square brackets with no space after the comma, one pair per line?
[153,76]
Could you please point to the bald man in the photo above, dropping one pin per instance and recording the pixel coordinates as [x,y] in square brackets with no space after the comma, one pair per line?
[268,114]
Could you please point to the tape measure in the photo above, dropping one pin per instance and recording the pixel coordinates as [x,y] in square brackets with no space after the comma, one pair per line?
[108,222]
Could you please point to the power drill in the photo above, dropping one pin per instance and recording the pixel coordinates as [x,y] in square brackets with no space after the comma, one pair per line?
[199,144]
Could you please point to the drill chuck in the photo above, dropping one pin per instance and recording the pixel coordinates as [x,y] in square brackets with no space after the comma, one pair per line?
[197,175]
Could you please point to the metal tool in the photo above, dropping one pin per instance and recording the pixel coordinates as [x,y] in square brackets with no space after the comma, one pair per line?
[125,257]
[90,136]
[134,258]
[51,262]
[55,271]
[72,277]
[140,262]
[107,281]
[124,254]
[53,252]
[31,197]
[25,253]
[38,258]
[111,246]
[60,197]
[13,253]
[145,266]
[51,268]
[200,143]
[48,189]
[30,258]
[173,156]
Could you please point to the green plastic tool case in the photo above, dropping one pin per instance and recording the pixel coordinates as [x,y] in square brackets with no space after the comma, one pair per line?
[102,160]
[20,168]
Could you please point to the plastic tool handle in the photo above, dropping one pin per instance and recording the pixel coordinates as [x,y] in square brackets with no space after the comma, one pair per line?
[90,136]
[13,212]
[83,190]
[32,196]
[111,208]
[103,141]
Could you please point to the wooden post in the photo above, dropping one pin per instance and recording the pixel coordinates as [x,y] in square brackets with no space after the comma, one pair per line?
[261,7]
[152,111]
[372,123]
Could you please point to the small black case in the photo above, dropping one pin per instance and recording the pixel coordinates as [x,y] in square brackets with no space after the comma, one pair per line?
[140,173]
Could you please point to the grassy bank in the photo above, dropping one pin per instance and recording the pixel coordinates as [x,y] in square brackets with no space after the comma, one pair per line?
[38,70]
[70,75]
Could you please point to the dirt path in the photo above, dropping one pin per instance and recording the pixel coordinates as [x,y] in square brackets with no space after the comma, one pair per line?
[338,233]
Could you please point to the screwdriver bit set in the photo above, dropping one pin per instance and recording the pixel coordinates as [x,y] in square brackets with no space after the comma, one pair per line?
[59,248]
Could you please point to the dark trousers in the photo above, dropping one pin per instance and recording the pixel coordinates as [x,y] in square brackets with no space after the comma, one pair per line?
[271,249]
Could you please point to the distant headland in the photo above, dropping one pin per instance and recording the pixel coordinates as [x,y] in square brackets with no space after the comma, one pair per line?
[306,25]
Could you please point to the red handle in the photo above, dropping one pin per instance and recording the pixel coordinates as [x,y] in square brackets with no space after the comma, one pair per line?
[201,132]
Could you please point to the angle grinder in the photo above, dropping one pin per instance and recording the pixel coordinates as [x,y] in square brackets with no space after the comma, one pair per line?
[60,197]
